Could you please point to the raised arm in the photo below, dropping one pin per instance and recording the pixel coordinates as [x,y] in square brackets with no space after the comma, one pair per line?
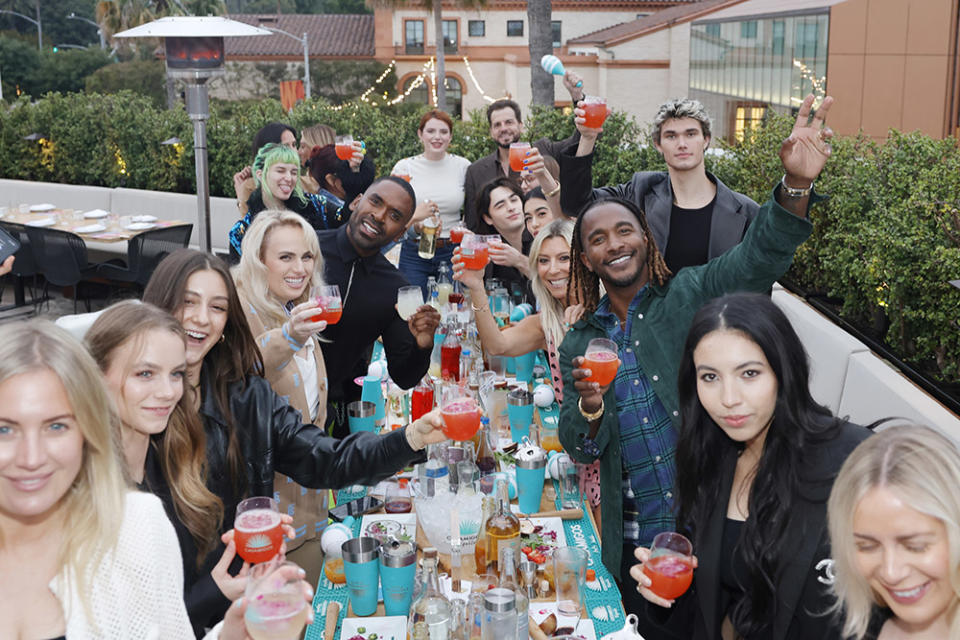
[804,154]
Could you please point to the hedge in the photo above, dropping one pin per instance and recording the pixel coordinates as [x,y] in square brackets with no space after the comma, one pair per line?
[885,244]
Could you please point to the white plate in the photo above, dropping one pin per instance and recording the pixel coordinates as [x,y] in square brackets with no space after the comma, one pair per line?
[540,610]
[42,222]
[39,208]
[90,228]
[139,226]
[386,627]
[96,214]
[406,520]
[143,219]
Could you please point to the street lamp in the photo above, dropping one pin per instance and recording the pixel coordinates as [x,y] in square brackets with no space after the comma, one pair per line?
[193,49]
[29,19]
[103,40]
[306,54]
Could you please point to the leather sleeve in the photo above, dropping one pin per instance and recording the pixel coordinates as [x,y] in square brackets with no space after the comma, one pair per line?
[355,183]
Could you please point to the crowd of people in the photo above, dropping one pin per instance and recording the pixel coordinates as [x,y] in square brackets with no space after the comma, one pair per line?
[123,459]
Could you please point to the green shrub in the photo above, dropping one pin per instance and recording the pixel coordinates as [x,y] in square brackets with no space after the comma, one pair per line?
[145,77]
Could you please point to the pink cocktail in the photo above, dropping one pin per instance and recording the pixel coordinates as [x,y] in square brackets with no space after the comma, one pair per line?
[461,418]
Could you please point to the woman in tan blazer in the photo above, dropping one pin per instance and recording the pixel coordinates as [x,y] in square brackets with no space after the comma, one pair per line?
[280,263]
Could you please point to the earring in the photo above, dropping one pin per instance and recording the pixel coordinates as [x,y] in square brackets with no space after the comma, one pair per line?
[222,338]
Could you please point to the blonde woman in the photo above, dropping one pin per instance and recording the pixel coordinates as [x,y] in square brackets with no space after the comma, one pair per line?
[81,554]
[894,518]
[280,263]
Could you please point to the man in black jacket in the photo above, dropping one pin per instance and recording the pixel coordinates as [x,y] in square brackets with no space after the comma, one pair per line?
[368,287]
[693,216]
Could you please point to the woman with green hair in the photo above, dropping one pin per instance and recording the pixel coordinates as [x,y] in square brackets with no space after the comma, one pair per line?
[276,170]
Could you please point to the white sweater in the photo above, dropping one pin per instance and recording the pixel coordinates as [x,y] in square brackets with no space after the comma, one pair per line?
[440,181]
[137,591]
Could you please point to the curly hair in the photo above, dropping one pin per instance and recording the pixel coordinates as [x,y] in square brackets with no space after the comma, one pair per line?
[584,284]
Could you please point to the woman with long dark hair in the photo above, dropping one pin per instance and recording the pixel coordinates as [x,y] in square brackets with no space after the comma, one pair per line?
[251,431]
[756,457]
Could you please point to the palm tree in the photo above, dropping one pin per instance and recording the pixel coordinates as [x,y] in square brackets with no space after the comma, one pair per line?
[115,16]
[539,13]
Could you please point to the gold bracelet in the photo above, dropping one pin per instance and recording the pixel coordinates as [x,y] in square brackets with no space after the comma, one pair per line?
[590,417]
[553,192]
[475,309]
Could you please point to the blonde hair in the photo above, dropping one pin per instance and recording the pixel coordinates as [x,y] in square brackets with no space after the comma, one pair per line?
[319,135]
[250,275]
[551,309]
[923,468]
[93,507]
[182,446]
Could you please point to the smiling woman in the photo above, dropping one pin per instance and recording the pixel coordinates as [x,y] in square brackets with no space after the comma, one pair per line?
[895,529]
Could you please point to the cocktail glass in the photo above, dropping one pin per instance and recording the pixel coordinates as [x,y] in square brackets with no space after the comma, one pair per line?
[670,566]
[461,414]
[344,147]
[258,533]
[601,358]
[276,608]
[518,151]
[409,299]
[474,252]
[595,111]
[331,307]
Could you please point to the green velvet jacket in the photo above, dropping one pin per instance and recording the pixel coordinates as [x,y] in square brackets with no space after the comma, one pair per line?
[659,332]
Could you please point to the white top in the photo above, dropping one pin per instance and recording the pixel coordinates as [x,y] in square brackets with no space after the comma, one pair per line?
[440,181]
[137,591]
[307,364]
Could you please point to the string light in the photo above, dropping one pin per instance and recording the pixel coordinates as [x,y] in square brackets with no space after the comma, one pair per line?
[476,83]
[817,84]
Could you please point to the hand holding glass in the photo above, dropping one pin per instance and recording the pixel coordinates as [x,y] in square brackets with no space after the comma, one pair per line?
[594,111]
[276,608]
[670,565]
[409,299]
[258,530]
[461,414]
[331,308]
[344,147]
[601,358]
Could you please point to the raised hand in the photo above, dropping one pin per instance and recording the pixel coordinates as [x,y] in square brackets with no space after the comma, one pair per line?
[591,393]
[301,325]
[805,152]
[423,325]
[472,279]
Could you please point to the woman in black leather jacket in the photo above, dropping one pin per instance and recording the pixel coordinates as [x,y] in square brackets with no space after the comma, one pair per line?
[250,430]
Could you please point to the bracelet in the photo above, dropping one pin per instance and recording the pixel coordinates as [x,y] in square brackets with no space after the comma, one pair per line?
[792,192]
[475,309]
[590,417]
[553,192]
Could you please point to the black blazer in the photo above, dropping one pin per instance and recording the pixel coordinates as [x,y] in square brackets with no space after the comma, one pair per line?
[803,592]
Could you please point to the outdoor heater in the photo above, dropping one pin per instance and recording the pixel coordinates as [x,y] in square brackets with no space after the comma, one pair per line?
[193,48]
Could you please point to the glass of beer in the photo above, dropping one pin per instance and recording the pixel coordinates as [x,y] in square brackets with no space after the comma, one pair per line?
[344,147]
[409,299]
[461,414]
[670,566]
[331,307]
[518,151]
[276,608]
[601,358]
[594,111]
[257,530]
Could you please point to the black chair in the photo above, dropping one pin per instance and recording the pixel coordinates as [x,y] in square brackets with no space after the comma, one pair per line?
[61,258]
[24,266]
[144,251]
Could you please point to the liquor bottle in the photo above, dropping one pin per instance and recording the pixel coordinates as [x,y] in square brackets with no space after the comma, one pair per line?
[435,363]
[428,239]
[503,528]
[480,551]
[450,354]
[431,607]
[421,399]
[444,284]
[508,580]
[486,462]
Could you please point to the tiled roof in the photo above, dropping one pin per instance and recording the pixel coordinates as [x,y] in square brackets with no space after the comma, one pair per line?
[665,18]
[327,35]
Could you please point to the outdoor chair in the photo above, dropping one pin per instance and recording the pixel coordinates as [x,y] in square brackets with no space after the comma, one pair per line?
[24,265]
[61,258]
[144,251]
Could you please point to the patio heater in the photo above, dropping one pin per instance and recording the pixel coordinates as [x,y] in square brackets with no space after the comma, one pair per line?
[193,49]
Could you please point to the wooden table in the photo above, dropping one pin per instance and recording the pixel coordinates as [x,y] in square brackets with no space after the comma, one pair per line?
[72,219]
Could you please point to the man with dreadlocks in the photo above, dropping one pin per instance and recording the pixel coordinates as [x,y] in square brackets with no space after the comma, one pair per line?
[630,425]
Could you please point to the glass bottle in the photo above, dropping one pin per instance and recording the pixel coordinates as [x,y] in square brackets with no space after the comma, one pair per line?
[480,551]
[486,462]
[503,529]
[428,239]
[499,615]
[508,580]
[421,399]
[444,284]
[431,607]
[450,354]
[438,339]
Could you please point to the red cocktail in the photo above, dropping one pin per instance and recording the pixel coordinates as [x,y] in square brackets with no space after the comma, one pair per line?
[450,362]
[594,111]
[603,366]
[329,315]
[331,307]
[461,418]
[257,532]
[344,147]
[671,575]
[456,234]
[421,401]
[518,151]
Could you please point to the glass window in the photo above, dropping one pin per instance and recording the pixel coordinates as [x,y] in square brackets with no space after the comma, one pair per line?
[807,36]
[420,95]
[477,28]
[413,36]
[515,28]
[454,96]
[555,28]
[779,29]
[748,29]
[747,119]
[450,36]
[713,29]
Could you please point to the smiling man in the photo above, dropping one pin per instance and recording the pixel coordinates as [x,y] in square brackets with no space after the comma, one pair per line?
[630,425]
[368,287]
[693,216]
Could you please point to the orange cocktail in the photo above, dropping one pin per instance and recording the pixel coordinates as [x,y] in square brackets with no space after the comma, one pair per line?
[670,574]
[258,534]
[344,147]
[474,252]
[328,315]
[461,418]
[603,366]
[518,151]
[594,111]
[456,234]
[330,306]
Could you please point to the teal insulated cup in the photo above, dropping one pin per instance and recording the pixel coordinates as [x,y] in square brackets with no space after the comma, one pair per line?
[362,569]
[524,366]
[531,470]
[373,392]
[361,416]
[520,413]
[398,566]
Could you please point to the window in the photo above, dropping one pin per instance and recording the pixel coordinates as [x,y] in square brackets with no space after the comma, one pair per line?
[454,96]
[420,95]
[515,28]
[713,29]
[747,118]
[779,29]
[748,29]
[555,28]
[450,36]
[413,36]
[807,37]
[477,28]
